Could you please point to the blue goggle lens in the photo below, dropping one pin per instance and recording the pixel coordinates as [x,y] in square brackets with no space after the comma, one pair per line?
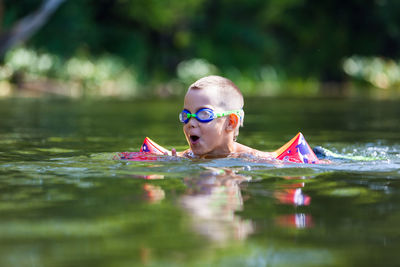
[183,116]
[205,115]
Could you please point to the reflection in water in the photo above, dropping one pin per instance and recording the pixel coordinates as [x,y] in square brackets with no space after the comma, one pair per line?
[214,196]
[298,220]
[153,193]
[212,200]
[293,194]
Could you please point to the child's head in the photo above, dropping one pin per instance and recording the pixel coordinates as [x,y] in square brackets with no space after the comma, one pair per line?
[218,96]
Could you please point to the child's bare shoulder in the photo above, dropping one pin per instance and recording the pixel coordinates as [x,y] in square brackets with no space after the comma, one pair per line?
[240,151]
[244,151]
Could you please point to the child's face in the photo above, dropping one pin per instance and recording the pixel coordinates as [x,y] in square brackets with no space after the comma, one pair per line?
[205,138]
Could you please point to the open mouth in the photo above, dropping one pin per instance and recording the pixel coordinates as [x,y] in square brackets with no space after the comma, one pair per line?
[194,138]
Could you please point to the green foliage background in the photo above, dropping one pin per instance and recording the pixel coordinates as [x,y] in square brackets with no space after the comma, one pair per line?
[299,39]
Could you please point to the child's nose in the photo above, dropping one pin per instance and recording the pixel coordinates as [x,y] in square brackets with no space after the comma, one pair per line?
[192,123]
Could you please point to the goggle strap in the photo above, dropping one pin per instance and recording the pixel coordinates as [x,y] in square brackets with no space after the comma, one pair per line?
[222,114]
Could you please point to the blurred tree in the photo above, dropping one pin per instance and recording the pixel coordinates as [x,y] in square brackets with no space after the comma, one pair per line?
[27,26]
[302,38]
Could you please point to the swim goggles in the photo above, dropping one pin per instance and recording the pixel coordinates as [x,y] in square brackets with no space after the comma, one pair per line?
[206,115]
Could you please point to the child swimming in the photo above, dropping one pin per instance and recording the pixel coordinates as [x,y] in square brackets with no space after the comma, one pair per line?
[211,116]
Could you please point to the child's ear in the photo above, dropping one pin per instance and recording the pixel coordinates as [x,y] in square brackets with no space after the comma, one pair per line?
[233,121]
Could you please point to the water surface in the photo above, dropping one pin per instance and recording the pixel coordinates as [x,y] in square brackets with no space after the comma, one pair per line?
[64,201]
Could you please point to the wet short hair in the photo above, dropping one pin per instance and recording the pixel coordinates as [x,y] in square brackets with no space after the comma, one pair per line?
[227,89]
[231,98]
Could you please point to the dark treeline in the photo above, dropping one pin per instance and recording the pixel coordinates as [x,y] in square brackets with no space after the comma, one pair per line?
[302,38]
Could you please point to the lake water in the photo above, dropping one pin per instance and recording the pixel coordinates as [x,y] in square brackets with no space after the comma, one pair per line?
[64,201]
